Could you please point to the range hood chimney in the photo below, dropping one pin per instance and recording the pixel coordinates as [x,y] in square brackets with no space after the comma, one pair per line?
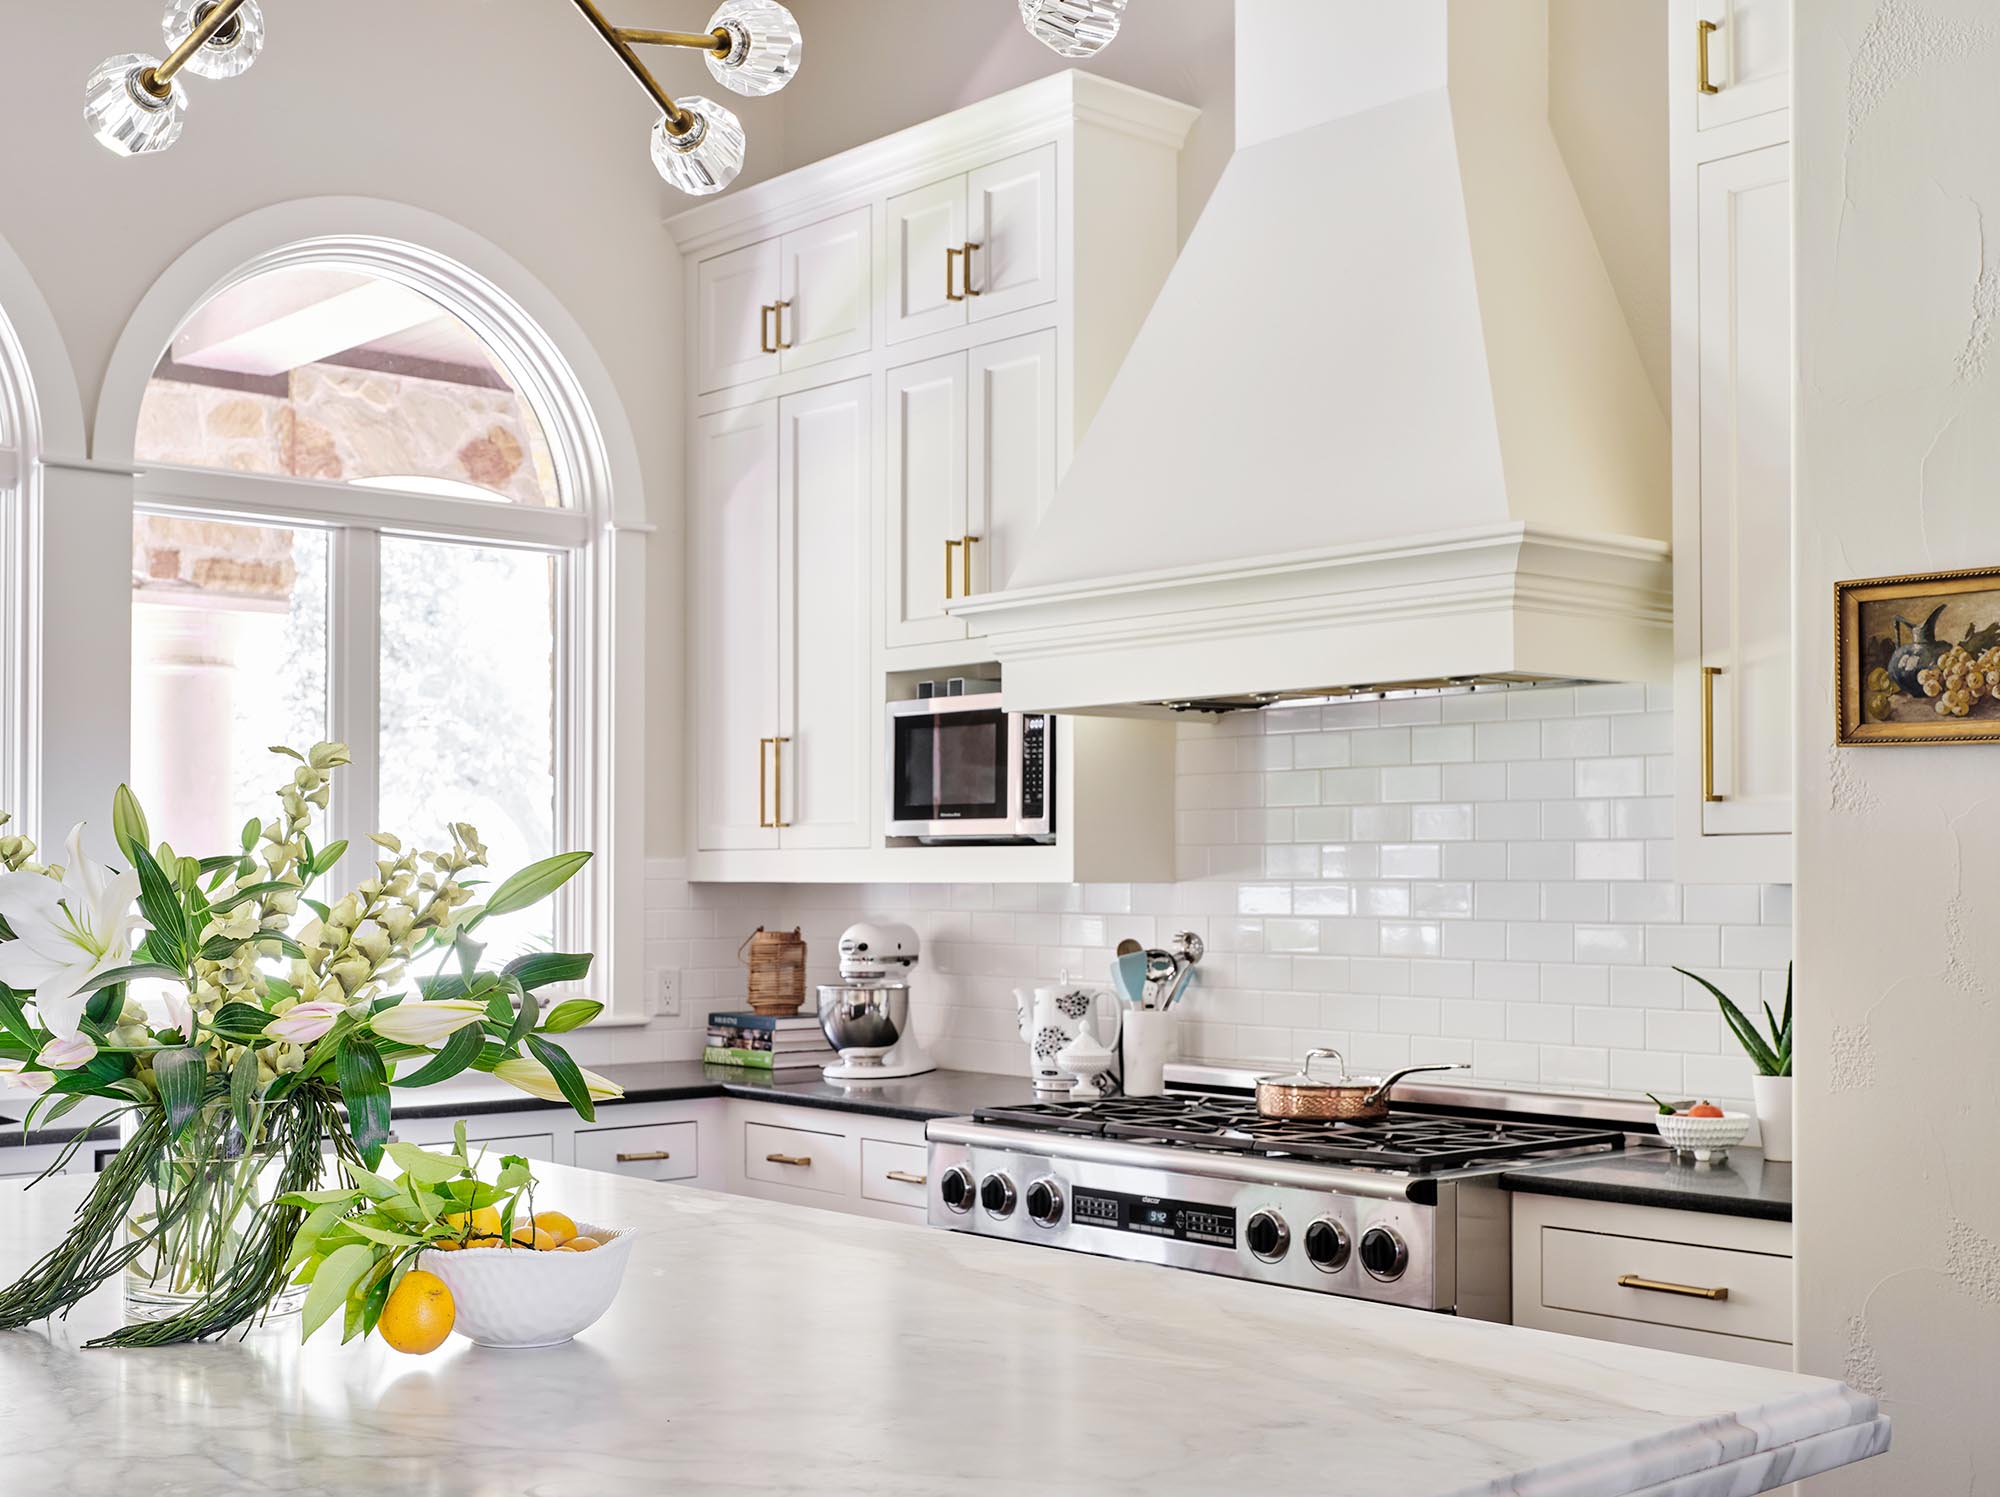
[1385,424]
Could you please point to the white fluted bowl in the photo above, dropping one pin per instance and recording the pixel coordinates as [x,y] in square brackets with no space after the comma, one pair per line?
[516,1297]
[1708,1139]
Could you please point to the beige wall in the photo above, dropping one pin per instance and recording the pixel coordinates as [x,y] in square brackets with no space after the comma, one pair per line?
[1898,895]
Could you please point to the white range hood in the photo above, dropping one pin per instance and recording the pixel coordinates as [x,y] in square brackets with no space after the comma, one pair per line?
[1385,424]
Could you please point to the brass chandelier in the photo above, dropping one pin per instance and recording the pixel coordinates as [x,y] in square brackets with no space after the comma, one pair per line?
[135,106]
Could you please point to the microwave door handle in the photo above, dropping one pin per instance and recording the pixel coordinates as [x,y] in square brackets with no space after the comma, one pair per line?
[937,769]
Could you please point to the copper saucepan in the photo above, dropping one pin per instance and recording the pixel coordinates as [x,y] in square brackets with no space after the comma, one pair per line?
[1351,1099]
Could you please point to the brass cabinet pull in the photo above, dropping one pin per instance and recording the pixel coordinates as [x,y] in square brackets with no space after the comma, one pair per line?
[651,1156]
[763,783]
[965,565]
[1703,30]
[966,250]
[764,343]
[1708,675]
[796,1161]
[778,323]
[904,1177]
[951,255]
[949,548]
[1661,1286]
[778,783]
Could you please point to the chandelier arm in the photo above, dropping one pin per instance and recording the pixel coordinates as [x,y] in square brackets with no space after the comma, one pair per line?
[679,120]
[718,41]
[159,81]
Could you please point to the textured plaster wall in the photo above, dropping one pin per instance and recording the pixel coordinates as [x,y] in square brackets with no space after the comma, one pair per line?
[1898,895]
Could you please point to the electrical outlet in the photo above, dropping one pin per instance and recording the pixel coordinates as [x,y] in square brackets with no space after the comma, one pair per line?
[667,994]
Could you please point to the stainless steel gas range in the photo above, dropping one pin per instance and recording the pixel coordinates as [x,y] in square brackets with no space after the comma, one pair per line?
[1408,1211]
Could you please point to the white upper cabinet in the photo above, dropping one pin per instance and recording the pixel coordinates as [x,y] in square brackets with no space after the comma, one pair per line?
[1746,47]
[824,309]
[734,297]
[927,511]
[1010,452]
[926,260]
[1010,226]
[735,620]
[1732,397]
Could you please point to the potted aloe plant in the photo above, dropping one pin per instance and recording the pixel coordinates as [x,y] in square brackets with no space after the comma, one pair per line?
[1772,1056]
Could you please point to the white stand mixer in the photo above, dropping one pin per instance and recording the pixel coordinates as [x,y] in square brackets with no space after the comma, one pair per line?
[866,1015]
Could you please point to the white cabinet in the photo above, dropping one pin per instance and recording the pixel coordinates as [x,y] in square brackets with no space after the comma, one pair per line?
[926,247]
[781,622]
[1732,382]
[784,304]
[644,1151]
[1010,452]
[841,1161]
[973,247]
[1708,1285]
[1747,47]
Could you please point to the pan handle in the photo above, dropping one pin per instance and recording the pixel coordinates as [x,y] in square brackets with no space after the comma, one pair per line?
[1374,1098]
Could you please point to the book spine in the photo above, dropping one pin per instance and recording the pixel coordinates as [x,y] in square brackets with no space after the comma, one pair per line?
[775,1023]
[762,1060]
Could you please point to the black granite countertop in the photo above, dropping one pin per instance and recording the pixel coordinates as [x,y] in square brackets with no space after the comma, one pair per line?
[1746,1184]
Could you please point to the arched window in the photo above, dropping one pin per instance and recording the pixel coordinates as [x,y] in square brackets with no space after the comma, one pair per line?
[18,452]
[366,513]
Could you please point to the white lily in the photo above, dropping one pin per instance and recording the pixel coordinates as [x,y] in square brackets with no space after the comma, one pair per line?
[66,934]
[532,1077]
[427,1023]
[67,1055]
[28,1081]
[303,1023]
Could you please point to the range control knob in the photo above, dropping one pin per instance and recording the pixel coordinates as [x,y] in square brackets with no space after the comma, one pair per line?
[956,1189]
[1045,1203]
[996,1194]
[1383,1253]
[1326,1246]
[1268,1236]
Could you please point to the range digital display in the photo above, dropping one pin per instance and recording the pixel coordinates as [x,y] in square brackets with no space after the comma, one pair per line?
[1150,1216]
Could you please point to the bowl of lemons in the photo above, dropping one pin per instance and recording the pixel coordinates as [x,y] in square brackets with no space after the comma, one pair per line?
[551,1279]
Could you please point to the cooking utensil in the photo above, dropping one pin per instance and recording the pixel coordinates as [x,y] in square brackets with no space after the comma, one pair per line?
[1351,1099]
[1128,946]
[1128,974]
[1187,947]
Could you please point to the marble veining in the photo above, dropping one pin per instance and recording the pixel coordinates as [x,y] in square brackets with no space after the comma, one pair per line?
[768,1348]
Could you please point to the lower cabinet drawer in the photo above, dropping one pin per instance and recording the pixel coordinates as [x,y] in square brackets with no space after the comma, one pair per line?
[1668,1283]
[894,1173]
[657,1151]
[797,1158]
[529,1146]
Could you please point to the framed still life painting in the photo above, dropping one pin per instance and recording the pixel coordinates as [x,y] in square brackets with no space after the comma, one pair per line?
[1918,658]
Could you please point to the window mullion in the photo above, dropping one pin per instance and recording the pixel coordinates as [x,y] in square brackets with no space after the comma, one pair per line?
[354,673]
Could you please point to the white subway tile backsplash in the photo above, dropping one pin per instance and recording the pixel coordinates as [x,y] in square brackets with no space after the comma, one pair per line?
[1484,876]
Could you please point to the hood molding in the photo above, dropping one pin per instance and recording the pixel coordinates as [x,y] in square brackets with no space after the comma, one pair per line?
[1512,599]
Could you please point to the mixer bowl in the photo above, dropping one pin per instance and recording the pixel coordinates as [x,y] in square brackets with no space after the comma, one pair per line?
[864,1016]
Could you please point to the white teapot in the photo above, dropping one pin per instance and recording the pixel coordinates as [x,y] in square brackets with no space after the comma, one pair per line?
[1053,1015]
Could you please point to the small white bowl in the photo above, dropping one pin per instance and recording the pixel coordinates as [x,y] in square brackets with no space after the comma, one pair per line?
[1709,1140]
[516,1297]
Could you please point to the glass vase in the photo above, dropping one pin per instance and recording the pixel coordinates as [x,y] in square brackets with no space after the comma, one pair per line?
[210,1184]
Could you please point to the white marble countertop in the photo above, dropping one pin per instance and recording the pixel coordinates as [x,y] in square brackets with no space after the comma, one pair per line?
[764,1348]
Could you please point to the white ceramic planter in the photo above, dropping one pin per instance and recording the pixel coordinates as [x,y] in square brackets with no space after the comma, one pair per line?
[1774,1115]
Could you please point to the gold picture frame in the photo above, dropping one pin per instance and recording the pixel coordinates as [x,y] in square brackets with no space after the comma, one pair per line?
[1917,658]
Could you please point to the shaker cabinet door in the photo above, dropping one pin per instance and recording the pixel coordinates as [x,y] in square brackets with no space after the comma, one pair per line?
[1011,224]
[925,269]
[821,783]
[734,635]
[1749,59]
[927,507]
[824,307]
[733,297]
[1012,451]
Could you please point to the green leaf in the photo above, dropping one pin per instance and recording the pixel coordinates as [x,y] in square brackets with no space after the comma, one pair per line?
[128,823]
[181,1073]
[383,1235]
[14,1018]
[289,753]
[1746,1034]
[426,1167]
[364,1087]
[245,892]
[567,1077]
[319,1221]
[574,1013]
[458,1052]
[308,1198]
[374,1186]
[541,968]
[243,1089]
[340,1272]
[377,1296]
[332,853]
[222,948]
[132,973]
[535,883]
[239,1021]
[160,903]
[252,830]
[524,1020]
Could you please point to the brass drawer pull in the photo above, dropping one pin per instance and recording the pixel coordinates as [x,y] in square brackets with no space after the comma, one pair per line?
[966,251]
[951,254]
[1708,675]
[763,784]
[1661,1286]
[1703,30]
[965,565]
[796,1161]
[778,319]
[950,548]
[904,1177]
[778,783]
[651,1156]
[764,343]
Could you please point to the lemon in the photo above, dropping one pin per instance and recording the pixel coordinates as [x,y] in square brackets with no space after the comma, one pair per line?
[484,1242]
[556,1225]
[447,1245]
[485,1222]
[534,1237]
[579,1245]
[419,1314]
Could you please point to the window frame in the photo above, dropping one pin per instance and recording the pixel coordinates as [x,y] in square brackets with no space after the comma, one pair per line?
[20,585]
[579,534]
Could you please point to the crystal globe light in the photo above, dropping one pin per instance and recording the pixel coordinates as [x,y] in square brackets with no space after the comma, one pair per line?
[230,51]
[767,45]
[1073,28]
[125,118]
[707,158]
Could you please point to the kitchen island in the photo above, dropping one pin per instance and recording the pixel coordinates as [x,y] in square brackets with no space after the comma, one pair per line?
[765,1348]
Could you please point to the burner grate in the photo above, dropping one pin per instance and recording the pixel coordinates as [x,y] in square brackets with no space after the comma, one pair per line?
[1420,1143]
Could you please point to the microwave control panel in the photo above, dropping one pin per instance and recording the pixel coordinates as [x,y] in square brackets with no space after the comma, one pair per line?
[1035,765]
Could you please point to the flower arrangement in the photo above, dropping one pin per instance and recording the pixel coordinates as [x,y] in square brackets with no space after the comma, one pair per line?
[284,1024]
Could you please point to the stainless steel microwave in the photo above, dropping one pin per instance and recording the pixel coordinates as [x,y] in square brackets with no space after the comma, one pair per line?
[964,769]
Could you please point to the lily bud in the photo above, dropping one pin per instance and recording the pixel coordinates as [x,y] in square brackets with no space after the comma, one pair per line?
[534,1078]
[303,1023]
[427,1023]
